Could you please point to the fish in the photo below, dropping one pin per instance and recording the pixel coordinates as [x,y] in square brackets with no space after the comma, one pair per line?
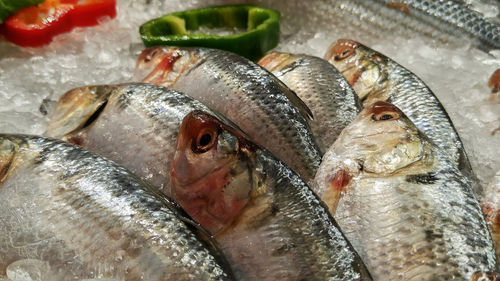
[267,221]
[406,209]
[490,204]
[443,21]
[248,95]
[133,124]
[69,214]
[376,77]
[322,87]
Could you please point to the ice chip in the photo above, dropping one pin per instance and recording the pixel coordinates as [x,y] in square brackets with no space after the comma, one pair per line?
[28,270]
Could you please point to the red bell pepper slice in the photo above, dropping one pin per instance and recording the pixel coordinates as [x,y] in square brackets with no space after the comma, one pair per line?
[37,25]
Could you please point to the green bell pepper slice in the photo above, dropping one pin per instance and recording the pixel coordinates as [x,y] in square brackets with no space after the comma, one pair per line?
[8,7]
[180,29]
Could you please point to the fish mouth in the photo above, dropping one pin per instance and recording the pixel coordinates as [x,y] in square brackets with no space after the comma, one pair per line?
[376,134]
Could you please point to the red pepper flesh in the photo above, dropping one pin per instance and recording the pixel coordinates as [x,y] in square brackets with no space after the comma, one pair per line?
[37,25]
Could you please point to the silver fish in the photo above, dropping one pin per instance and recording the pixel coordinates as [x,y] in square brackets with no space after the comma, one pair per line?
[134,124]
[376,77]
[448,21]
[268,222]
[73,215]
[407,210]
[255,100]
[323,89]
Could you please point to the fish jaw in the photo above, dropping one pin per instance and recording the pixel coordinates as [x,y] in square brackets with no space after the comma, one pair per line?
[364,69]
[77,109]
[164,65]
[381,140]
[210,178]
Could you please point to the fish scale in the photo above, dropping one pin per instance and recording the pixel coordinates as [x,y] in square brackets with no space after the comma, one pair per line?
[94,218]
[322,87]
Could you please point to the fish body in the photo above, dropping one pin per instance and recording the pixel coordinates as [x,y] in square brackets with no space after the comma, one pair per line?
[134,124]
[323,89]
[407,210]
[490,203]
[255,100]
[376,77]
[73,215]
[446,21]
[268,222]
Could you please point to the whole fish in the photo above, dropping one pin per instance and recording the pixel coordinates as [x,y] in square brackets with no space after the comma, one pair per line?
[322,87]
[376,77]
[70,214]
[268,222]
[448,21]
[255,100]
[490,203]
[134,124]
[407,210]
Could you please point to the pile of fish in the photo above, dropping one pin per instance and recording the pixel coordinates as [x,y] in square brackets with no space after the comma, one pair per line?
[213,167]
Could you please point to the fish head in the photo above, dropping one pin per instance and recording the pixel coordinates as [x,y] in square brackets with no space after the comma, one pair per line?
[163,65]
[276,61]
[76,110]
[380,141]
[363,68]
[8,150]
[211,174]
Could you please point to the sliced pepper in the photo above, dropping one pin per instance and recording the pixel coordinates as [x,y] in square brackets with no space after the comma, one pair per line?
[37,25]
[180,29]
[8,7]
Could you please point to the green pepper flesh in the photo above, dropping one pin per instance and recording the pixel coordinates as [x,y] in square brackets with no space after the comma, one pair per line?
[179,29]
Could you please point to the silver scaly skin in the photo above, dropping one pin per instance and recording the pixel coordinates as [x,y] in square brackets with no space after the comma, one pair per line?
[490,203]
[442,20]
[134,124]
[85,217]
[376,77]
[407,210]
[267,221]
[323,89]
[254,99]
[455,18]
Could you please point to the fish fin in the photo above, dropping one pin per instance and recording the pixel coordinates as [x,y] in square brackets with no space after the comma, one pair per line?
[76,109]
[7,153]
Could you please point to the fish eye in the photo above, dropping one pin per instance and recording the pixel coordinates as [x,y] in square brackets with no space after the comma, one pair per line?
[205,140]
[149,57]
[344,54]
[384,116]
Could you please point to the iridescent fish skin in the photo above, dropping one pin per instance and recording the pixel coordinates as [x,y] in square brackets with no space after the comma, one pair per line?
[376,77]
[407,210]
[267,221]
[323,89]
[255,100]
[490,203]
[89,218]
[445,21]
[134,124]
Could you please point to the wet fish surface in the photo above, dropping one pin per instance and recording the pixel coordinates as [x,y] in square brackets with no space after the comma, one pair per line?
[447,21]
[68,214]
[490,203]
[376,77]
[407,210]
[255,100]
[323,89]
[267,221]
[133,124]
